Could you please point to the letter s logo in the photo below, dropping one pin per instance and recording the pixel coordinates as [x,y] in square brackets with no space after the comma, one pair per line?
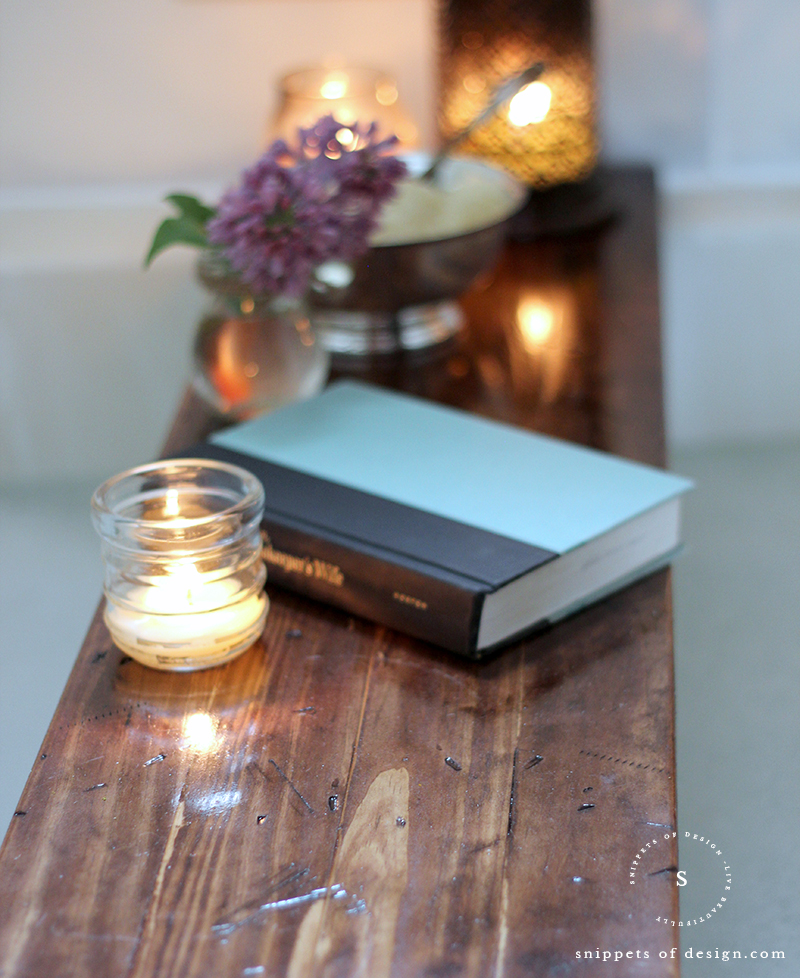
[682,878]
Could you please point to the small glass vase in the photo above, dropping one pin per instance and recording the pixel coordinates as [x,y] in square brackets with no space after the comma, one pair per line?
[253,353]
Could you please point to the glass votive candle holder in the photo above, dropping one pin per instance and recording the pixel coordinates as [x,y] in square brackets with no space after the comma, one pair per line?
[184,578]
[351,94]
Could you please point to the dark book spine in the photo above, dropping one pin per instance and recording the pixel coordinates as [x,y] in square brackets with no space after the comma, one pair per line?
[388,588]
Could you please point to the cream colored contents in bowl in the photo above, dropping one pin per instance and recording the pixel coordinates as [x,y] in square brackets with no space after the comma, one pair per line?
[423,211]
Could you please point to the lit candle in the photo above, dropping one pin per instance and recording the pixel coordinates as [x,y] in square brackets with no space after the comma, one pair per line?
[530,105]
[181,546]
[350,94]
[185,617]
[546,135]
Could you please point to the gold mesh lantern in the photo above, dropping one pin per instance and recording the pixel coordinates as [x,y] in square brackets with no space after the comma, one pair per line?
[546,135]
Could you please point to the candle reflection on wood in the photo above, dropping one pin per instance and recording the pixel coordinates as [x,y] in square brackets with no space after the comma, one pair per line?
[536,344]
[540,353]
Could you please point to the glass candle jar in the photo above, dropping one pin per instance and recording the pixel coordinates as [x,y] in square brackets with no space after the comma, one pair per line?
[181,545]
[546,136]
[351,94]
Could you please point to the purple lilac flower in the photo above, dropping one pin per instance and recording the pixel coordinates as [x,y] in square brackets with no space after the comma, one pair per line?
[299,207]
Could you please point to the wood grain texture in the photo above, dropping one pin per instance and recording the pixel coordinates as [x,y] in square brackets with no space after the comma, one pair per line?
[346,801]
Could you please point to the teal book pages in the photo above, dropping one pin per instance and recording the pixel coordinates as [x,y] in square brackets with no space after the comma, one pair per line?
[458,530]
[529,487]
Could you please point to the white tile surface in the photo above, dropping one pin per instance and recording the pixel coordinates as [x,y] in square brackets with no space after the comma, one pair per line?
[93,363]
[737,642]
[50,582]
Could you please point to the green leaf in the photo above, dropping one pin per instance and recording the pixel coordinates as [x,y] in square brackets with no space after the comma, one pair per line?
[191,207]
[177,230]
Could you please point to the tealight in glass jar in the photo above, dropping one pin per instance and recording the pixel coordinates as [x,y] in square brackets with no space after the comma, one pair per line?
[184,579]
[351,94]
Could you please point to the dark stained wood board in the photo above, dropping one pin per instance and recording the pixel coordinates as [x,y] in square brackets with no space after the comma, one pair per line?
[344,800]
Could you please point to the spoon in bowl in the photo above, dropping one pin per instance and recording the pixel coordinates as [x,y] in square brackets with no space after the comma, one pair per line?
[504,91]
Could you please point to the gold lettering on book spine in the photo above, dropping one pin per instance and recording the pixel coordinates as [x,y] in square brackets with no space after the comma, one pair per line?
[407,599]
[321,570]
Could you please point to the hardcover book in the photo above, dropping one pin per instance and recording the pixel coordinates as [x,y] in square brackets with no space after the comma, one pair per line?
[461,531]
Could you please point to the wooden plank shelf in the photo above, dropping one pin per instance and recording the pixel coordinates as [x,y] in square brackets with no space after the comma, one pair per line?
[343,800]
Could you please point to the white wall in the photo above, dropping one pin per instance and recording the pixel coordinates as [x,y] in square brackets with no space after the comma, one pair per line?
[731,300]
[105,107]
[93,91]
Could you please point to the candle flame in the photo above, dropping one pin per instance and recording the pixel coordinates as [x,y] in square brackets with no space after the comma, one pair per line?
[179,589]
[530,104]
[334,86]
[171,505]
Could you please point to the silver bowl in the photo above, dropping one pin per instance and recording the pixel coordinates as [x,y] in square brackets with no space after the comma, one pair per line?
[402,296]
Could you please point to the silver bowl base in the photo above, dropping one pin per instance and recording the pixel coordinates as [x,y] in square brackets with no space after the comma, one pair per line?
[345,332]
